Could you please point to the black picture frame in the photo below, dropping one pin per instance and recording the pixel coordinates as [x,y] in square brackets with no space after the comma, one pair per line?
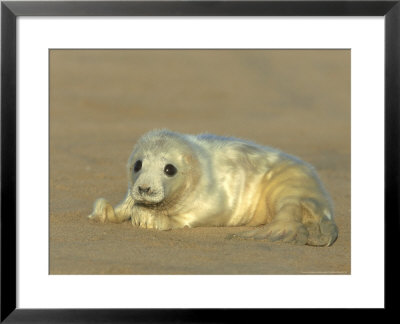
[11,10]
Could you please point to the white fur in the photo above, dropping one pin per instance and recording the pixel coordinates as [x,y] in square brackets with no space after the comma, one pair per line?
[220,181]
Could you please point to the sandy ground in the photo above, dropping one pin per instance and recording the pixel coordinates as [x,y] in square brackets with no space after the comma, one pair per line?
[102,101]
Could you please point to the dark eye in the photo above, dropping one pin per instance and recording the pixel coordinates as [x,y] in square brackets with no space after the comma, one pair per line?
[137,166]
[170,170]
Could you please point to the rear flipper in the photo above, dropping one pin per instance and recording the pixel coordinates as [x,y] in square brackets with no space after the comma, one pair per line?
[278,231]
[318,219]
[302,223]
[323,234]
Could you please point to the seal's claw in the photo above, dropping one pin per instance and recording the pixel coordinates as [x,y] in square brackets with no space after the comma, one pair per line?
[231,237]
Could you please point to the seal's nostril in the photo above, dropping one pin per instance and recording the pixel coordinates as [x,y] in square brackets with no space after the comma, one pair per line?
[143,189]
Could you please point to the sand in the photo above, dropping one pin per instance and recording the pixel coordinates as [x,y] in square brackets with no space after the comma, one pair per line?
[102,101]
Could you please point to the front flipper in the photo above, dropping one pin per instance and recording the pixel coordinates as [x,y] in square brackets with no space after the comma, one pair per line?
[103,211]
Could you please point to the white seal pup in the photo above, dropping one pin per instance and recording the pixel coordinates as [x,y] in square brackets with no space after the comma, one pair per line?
[177,180]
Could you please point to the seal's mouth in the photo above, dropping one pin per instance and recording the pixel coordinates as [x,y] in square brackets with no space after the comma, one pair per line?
[148,204]
[161,205]
[147,201]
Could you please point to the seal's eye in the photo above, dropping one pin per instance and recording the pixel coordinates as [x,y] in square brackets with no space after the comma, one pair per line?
[170,170]
[137,166]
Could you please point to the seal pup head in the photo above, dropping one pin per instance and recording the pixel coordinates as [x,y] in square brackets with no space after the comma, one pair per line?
[162,166]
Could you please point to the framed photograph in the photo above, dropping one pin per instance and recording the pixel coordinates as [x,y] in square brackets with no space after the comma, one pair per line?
[304,90]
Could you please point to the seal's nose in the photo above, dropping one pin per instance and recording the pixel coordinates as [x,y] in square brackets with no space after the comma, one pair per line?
[144,189]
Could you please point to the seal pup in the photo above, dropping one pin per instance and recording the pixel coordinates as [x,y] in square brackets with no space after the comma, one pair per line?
[177,180]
